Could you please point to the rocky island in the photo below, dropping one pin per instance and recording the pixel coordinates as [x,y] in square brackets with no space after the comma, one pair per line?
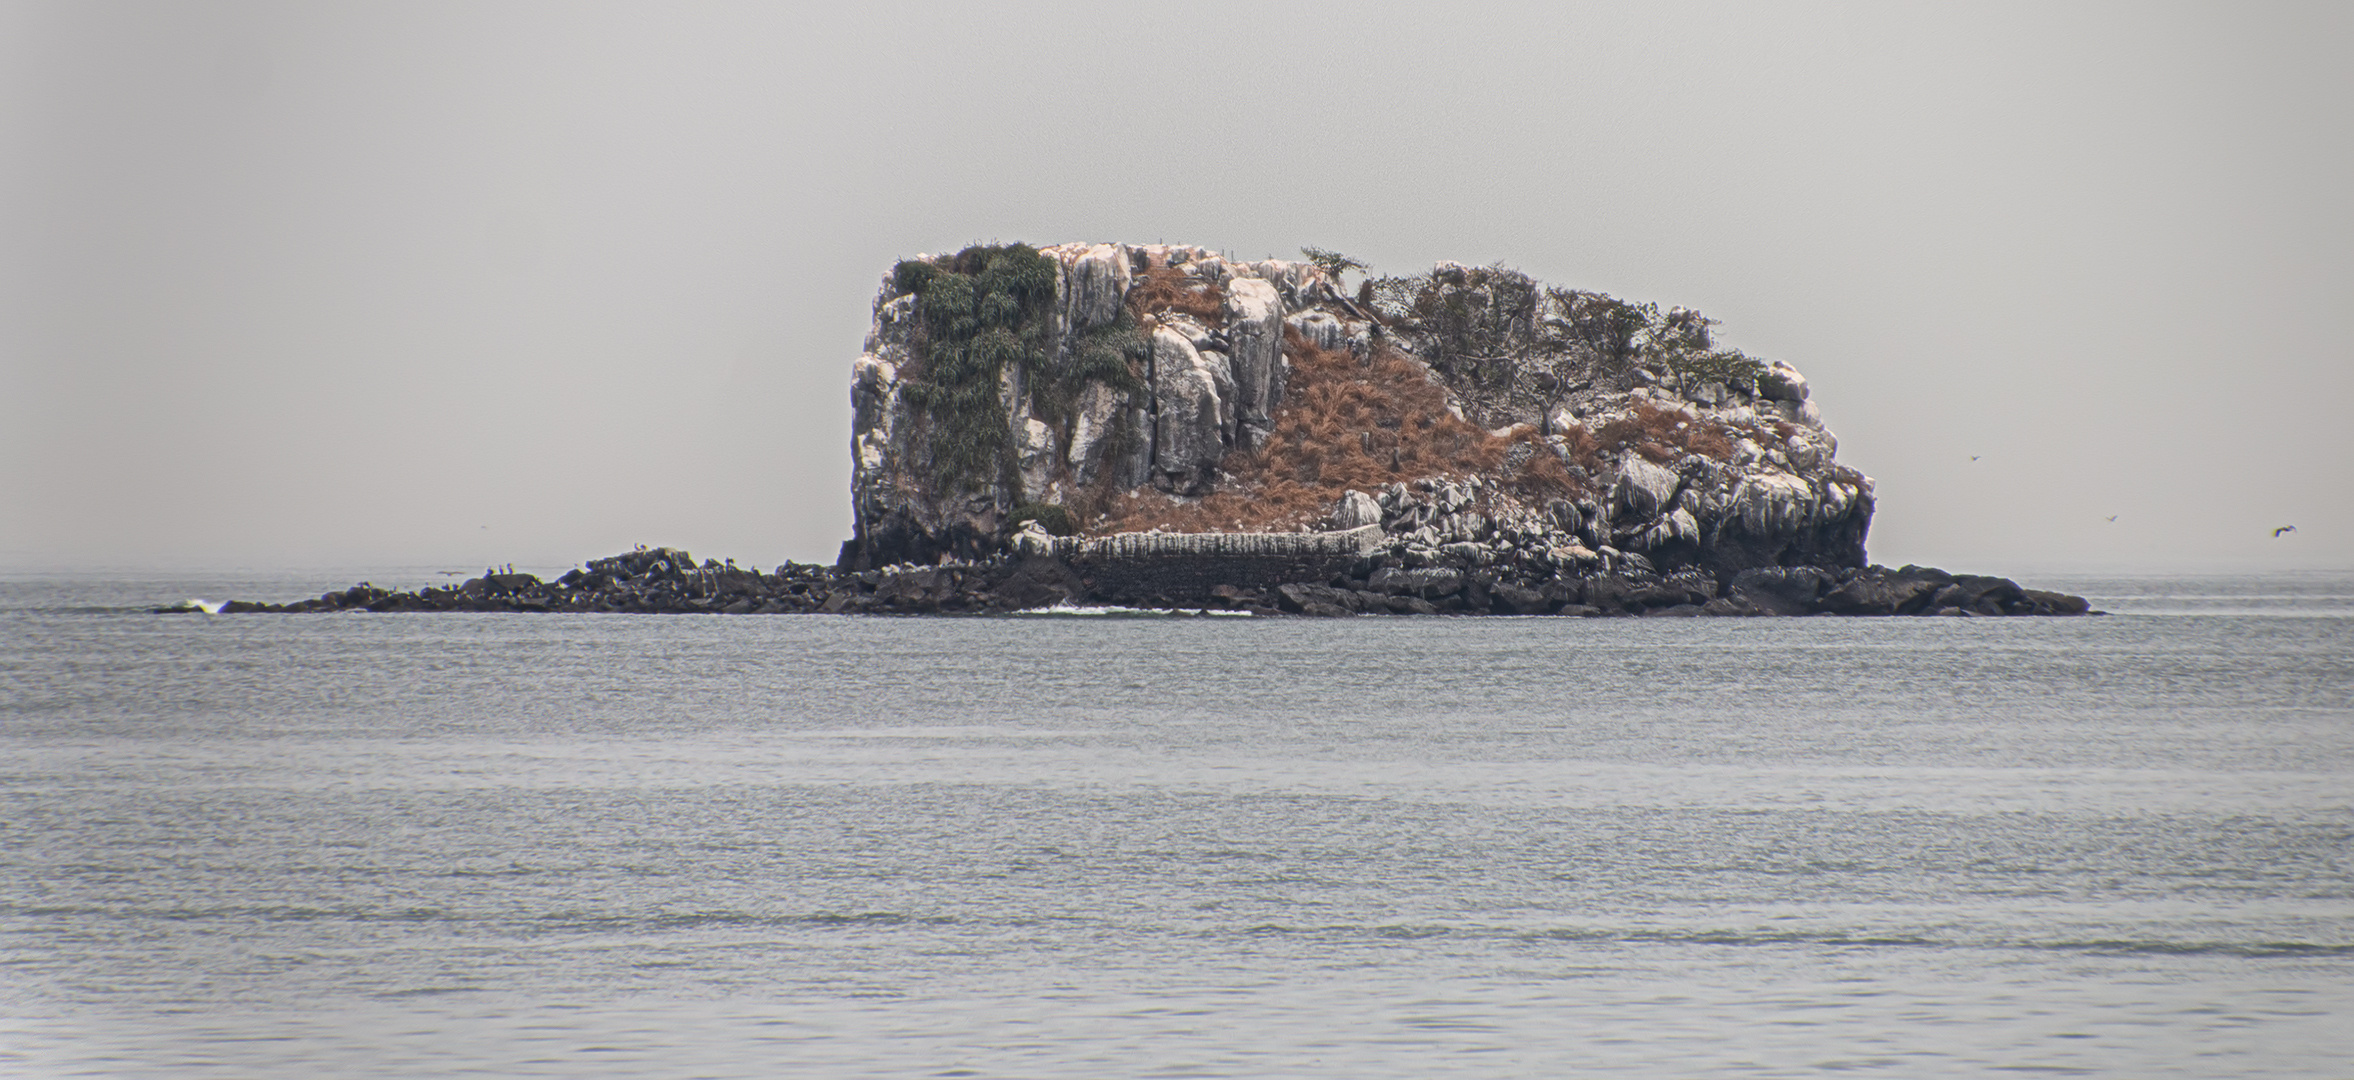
[1163,426]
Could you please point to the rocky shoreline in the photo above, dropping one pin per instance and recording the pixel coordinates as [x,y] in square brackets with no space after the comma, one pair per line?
[668,581]
[1163,427]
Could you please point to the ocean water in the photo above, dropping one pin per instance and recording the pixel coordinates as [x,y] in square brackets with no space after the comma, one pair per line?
[1094,846]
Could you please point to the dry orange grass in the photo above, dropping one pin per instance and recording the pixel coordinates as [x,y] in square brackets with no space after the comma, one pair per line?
[1663,435]
[1162,289]
[1344,423]
[1544,476]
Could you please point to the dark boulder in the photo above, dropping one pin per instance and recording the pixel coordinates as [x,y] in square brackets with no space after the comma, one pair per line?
[1694,586]
[1429,583]
[1479,593]
[1879,591]
[1510,599]
[1781,590]
[1039,581]
[1298,597]
[1613,592]
[510,584]
[1631,593]
[1979,595]
[2040,602]
[1411,605]
[919,591]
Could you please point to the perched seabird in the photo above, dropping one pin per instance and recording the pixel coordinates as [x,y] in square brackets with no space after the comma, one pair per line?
[2283,529]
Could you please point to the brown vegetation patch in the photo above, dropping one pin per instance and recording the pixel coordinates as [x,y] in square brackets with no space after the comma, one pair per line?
[1345,423]
[1663,435]
[1163,289]
[1545,476]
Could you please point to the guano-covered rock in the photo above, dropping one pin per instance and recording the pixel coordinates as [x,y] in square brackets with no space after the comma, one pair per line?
[1489,420]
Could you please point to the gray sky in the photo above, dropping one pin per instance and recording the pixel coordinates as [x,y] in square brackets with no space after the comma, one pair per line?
[315,283]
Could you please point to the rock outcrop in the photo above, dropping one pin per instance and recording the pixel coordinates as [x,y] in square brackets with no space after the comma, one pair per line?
[1050,375]
[1294,573]
[1480,415]
[1164,427]
[668,581]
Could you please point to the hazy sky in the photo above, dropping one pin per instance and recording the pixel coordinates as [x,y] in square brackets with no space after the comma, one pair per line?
[403,283]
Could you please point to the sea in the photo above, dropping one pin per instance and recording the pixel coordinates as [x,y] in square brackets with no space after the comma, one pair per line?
[1104,844]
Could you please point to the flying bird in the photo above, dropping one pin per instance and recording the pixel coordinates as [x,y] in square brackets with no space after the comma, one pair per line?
[2112,519]
[2283,529]
[1973,457]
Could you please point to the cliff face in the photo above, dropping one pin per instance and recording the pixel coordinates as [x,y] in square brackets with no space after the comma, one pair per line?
[1479,417]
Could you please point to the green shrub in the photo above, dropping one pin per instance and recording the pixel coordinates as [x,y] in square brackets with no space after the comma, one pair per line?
[911,275]
[985,308]
[1104,354]
[979,312]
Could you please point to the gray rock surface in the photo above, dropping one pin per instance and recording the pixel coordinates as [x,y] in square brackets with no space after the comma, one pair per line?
[1672,463]
[1781,382]
[1194,394]
[1254,325]
[1355,511]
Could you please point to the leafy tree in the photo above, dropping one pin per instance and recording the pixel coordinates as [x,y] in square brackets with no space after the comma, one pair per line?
[1332,262]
